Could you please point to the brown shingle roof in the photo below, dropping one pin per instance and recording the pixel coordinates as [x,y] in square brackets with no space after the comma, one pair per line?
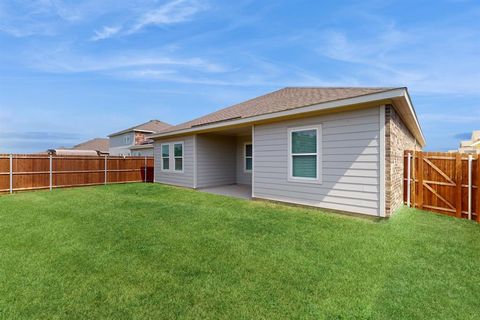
[153,126]
[281,100]
[99,144]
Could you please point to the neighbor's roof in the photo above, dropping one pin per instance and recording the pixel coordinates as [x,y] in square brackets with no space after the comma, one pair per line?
[299,100]
[281,100]
[70,152]
[151,126]
[99,144]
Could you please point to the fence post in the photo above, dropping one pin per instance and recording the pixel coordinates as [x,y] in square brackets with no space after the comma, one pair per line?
[409,159]
[470,187]
[50,175]
[458,187]
[413,198]
[105,170]
[420,180]
[478,188]
[145,170]
[11,173]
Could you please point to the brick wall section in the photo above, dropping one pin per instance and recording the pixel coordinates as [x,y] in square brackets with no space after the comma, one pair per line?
[139,138]
[397,139]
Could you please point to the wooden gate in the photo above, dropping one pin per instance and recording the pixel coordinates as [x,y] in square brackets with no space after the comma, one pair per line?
[443,182]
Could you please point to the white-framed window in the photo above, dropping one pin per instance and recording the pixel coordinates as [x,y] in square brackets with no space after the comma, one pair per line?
[172,156]
[127,139]
[247,157]
[178,156]
[305,154]
[165,150]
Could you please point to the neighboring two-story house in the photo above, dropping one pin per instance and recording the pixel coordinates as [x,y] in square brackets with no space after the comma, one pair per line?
[472,145]
[133,141]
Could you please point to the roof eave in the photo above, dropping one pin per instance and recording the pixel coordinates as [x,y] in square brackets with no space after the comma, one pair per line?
[409,116]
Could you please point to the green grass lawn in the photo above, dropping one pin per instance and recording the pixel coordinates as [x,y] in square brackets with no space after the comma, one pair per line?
[146,251]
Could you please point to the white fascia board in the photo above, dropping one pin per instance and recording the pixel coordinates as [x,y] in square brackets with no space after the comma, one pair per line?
[394,93]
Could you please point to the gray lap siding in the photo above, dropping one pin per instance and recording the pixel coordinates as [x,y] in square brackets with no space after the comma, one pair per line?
[219,161]
[185,178]
[243,177]
[350,162]
[216,161]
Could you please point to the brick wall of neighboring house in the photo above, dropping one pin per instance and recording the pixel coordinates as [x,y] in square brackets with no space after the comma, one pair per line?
[139,138]
[398,138]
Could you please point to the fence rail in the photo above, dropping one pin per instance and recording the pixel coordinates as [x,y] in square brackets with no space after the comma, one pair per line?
[20,172]
[447,183]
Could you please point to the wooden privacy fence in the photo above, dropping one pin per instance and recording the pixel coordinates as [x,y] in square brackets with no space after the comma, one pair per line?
[446,183]
[20,172]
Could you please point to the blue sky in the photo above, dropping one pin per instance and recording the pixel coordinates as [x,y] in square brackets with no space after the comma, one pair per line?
[74,70]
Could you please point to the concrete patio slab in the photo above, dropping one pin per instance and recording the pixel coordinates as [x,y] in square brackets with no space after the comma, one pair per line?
[233,190]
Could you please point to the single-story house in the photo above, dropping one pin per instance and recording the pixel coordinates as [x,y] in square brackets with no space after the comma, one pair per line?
[72,152]
[92,147]
[334,148]
[98,144]
[133,141]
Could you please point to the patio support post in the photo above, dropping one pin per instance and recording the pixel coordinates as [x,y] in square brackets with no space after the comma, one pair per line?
[11,173]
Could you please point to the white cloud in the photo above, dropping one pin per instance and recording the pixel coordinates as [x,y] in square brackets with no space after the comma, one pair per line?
[105,33]
[257,72]
[421,58]
[24,18]
[376,51]
[172,12]
[63,60]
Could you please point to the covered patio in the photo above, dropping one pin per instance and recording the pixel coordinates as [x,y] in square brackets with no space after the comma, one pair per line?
[224,162]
